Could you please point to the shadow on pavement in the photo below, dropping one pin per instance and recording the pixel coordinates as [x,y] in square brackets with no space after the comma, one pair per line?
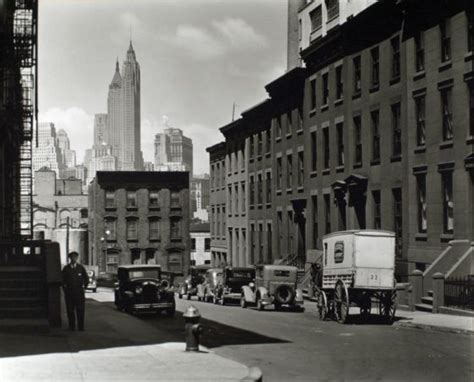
[108,328]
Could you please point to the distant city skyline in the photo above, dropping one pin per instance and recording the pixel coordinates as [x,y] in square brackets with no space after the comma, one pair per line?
[194,87]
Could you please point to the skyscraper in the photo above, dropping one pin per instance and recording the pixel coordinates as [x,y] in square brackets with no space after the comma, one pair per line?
[114,113]
[68,156]
[46,153]
[173,151]
[100,129]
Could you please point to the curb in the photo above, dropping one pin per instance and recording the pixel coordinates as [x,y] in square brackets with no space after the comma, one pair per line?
[254,375]
[437,328]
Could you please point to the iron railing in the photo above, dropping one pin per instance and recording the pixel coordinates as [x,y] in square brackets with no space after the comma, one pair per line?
[459,292]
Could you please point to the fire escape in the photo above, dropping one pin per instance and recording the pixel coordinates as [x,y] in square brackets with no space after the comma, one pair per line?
[25,46]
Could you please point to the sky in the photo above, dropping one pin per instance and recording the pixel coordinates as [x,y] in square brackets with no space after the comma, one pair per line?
[197,57]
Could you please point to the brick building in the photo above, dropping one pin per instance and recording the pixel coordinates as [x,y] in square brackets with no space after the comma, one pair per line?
[218,201]
[345,143]
[139,218]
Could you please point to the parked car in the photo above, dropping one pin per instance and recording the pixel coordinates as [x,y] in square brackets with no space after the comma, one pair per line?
[92,285]
[212,279]
[107,280]
[195,277]
[234,278]
[141,288]
[274,285]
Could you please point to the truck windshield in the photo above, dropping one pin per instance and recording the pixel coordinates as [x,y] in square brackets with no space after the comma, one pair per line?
[243,275]
[145,274]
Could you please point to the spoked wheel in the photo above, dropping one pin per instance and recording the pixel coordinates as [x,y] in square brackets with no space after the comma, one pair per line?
[322,305]
[365,305]
[341,301]
[388,306]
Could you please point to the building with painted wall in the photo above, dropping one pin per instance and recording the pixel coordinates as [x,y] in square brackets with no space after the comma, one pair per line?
[200,244]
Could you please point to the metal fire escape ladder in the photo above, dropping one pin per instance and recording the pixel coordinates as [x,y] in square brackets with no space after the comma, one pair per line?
[25,43]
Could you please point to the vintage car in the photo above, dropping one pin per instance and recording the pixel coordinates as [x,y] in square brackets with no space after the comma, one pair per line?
[195,277]
[212,279]
[92,285]
[141,288]
[274,285]
[234,278]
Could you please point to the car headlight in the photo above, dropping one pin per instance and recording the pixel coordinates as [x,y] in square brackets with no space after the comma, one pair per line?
[138,290]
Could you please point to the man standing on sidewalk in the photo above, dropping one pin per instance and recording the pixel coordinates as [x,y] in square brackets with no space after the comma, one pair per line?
[75,281]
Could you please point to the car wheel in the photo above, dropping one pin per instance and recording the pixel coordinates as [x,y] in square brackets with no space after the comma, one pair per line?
[94,290]
[260,305]
[243,303]
[277,307]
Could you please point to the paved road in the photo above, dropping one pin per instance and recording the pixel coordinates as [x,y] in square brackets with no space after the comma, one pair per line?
[288,345]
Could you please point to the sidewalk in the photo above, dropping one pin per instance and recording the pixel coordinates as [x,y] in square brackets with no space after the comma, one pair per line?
[440,322]
[115,346]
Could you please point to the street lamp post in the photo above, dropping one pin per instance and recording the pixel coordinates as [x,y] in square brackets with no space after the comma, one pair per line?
[104,244]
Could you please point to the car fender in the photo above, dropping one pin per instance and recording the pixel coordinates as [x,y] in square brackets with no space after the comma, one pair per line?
[248,294]
[299,295]
[263,293]
[128,294]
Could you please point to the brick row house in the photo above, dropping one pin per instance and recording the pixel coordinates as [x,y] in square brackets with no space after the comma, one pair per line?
[374,131]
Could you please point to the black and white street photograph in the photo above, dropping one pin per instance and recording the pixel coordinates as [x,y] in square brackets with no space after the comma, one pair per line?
[236,190]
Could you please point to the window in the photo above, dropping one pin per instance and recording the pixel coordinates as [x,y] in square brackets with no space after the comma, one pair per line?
[338,252]
[327,213]
[300,29]
[259,189]
[471,110]
[230,199]
[340,144]
[84,213]
[300,168]
[110,226]
[339,83]
[448,204]
[109,199]
[112,263]
[421,202]
[153,199]
[251,147]
[268,184]
[289,123]
[280,230]
[300,118]
[207,244]
[259,144]
[175,228]
[314,151]
[397,219]
[289,233]
[269,242]
[326,146]
[374,118]
[357,75]
[268,144]
[131,199]
[244,198]
[420,51]
[447,116]
[316,18]
[314,215]
[252,242]
[193,244]
[277,126]
[132,229]
[445,36]
[325,89]
[395,46]
[374,55]
[332,7]
[252,190]
[357,141]
[289,171]
[470,31]
[396,131]
[154,229]
[279,173]
[420,120]
[236,198]
[377,209]
[260,244]
[175,200]
[313,93]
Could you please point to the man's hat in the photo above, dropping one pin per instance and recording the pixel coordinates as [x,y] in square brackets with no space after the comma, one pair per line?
[71,254]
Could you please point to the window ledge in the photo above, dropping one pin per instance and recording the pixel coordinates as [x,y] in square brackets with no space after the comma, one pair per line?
[176,239]
[324,107]
[445,66]
[421,236]
[152,208]
[313,174]
[312,112]
[419,75]
[132,240]
[277,139]
[111,208]
[289,190]
[356,95]
[357,165]
[446,144]
[396,158]
[132,208]
[445,237]
[278,192]
[268,205]
[299,131]
[300,189]
[259,157]
[340,168]
[395,80]
[259,206]
[268,155]
[250,161]
[154,240]
[326,171]
[374,88]
[469,56]
[288,136]
[338,102]
[470,140]
[419,149]
[375,162]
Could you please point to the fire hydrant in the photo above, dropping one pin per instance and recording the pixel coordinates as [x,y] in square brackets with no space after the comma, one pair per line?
[192,327]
